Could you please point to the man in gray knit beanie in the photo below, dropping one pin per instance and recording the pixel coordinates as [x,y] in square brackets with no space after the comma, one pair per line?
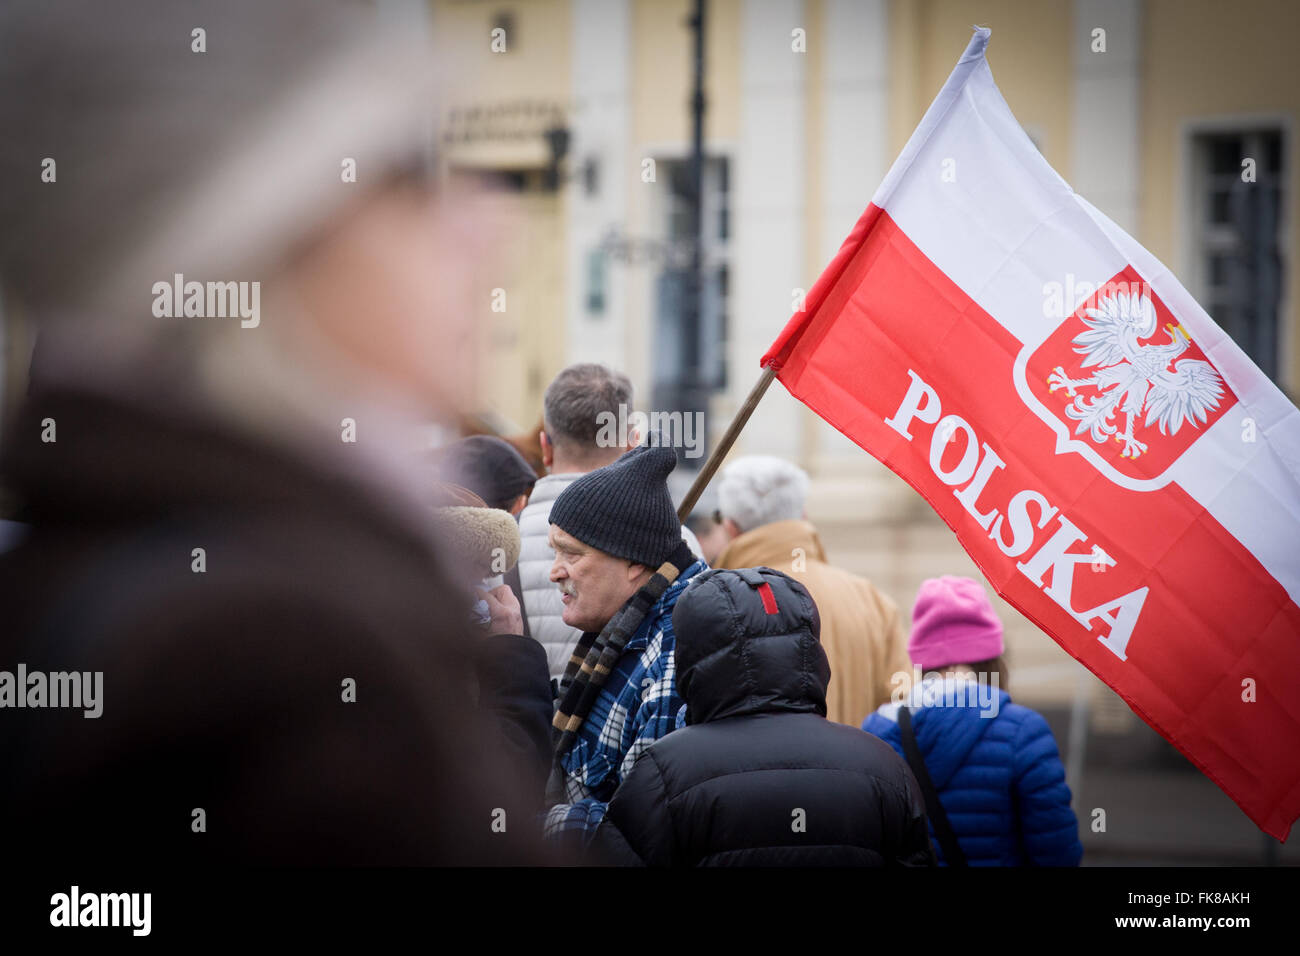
[620,564]
[624,509]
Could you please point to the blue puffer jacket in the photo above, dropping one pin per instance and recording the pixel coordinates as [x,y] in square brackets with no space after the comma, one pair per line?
[999,778]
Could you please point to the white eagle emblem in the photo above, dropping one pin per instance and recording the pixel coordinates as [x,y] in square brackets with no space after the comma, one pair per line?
[1134,377]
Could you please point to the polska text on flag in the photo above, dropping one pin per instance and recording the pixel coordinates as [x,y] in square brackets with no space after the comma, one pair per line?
[1117,467]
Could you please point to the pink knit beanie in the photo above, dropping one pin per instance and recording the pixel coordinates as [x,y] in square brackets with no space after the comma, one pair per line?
[953,623]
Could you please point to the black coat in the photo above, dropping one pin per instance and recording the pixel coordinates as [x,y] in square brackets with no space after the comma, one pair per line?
[223,690]
[760,777]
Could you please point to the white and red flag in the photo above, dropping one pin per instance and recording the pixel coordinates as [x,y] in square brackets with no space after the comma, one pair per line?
[1117,467]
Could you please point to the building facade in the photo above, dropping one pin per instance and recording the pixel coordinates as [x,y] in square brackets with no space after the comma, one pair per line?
[1149,108]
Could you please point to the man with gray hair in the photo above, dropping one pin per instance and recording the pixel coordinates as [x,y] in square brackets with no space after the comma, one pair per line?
[577,403]
[761,510]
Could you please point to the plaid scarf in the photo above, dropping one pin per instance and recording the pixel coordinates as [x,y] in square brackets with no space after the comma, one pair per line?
[596,654]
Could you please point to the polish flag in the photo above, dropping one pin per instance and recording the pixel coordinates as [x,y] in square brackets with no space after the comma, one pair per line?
[1117,467]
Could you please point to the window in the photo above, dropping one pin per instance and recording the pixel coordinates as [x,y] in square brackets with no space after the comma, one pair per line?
[1237,236]
[596,281]
[673,281]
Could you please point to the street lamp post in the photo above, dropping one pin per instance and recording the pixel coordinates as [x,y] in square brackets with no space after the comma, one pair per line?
[685,389]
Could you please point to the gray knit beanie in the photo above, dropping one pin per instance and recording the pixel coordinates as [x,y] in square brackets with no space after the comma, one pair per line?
[624,509]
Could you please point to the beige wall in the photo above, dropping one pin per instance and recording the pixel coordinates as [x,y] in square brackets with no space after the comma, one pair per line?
[1204,60]
[662,71]
[1201,59]
[524,345]
[536,64]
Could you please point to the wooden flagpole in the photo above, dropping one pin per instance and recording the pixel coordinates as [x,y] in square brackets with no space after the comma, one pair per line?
[728,439]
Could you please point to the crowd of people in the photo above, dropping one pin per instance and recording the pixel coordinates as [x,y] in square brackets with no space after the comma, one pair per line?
[322,641]
[735,699]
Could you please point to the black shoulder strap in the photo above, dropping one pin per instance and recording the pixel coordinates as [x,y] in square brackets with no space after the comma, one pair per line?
[513,581]
[952,852]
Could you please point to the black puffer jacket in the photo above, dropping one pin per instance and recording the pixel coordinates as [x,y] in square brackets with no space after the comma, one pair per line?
[760,777]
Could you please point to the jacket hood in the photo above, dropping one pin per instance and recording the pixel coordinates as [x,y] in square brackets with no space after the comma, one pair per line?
[772,544]
[748,643]
[548,487]
[948,720]
[486,539]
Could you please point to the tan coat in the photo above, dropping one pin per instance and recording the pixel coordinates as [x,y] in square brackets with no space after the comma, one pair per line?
[861,630]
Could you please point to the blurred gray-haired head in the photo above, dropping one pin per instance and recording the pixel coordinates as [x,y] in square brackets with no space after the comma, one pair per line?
[575,401]
[759,489]
[145,138]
